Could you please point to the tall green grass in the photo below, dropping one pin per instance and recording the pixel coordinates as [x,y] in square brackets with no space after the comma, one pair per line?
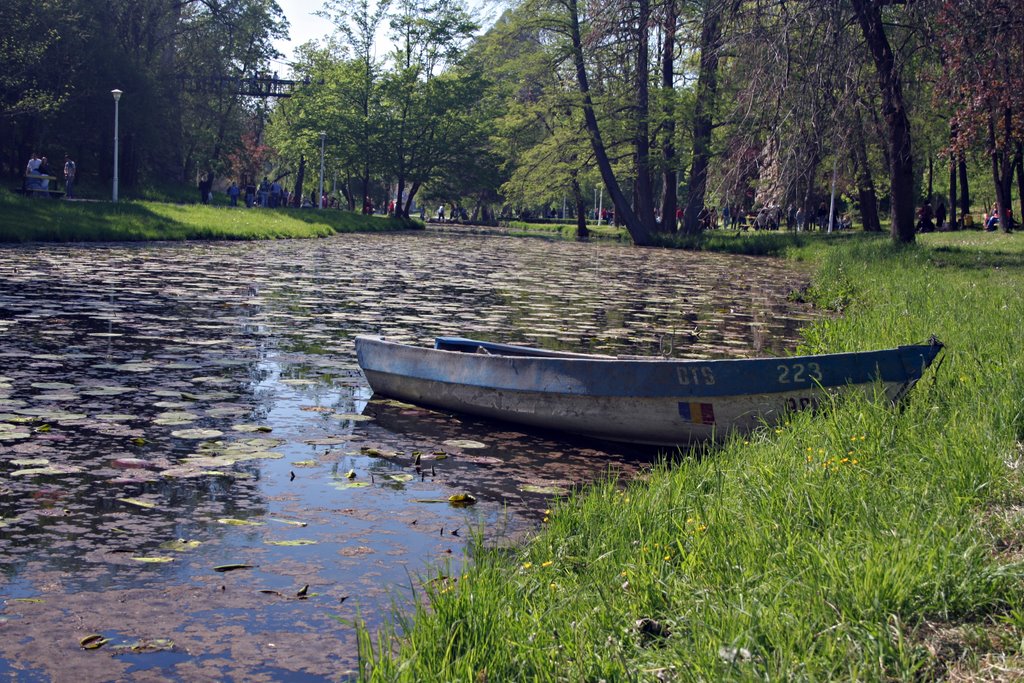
[832,547]
[35,219]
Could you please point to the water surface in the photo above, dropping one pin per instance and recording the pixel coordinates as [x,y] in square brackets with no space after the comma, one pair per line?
[168,410]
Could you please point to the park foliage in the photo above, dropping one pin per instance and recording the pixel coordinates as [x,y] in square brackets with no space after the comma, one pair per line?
[553,106]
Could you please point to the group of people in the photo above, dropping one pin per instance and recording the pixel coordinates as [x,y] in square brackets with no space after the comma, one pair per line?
[38,174]
[458,213]
[929,220]
[992,222]
[926,215]
[267,195]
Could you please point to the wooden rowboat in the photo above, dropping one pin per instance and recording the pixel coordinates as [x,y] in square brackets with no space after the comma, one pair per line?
[649,401]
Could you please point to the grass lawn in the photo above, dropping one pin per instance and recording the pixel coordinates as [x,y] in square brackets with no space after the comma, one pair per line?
[862,543]
[46,220]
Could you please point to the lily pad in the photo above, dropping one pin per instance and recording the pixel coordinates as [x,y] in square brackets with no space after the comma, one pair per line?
[295,542]
[106,391]
[154,560]
[138,503]
[197,433]
[251,428]
[464,443]
[14,436]
[49,469]
[290,522]
[52,385]
[228,411]
[180,545]
[353,417]
[172,415]
[329,440]
[401,477]
[534,488]
[136,367]
[93,641]
[143,646]
[231,521]
[132,463]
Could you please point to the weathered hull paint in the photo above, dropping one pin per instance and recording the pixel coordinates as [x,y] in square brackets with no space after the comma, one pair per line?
[660,401]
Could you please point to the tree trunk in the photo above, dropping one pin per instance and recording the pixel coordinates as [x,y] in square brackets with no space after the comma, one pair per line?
[953,222]
[901,165]
[400,207]
[300,177]
[1002,171]
[931,175]
[366,184]
[582,232]
[707,90]
[408,200]
[669,177]
[641,135]
[865,183]
[1019,163]
[965,191]
[640,232]
[810,210]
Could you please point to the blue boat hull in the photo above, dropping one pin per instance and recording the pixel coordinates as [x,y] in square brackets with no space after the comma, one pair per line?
[651,401]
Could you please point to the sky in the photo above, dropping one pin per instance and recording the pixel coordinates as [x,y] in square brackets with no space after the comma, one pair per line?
[303,26]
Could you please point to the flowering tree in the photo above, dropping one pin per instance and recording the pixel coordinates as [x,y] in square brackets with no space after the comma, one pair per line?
[249,161]
[983,47]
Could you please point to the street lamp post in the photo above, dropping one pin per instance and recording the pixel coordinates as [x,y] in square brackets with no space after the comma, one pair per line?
[117,98]
[323,136]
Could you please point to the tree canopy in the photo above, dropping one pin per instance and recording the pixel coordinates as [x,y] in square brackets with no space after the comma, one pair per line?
[664,111]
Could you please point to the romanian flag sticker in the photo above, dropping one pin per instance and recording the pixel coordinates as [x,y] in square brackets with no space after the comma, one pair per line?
[697,413]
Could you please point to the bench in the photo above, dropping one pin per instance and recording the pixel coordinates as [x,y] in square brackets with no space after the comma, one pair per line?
[29,189]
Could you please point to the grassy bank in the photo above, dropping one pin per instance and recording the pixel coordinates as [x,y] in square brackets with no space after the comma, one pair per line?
[864,543]
[44,220]
[749,242]
[567,231]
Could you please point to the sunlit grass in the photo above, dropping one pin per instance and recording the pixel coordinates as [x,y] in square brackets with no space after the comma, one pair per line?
[33,219]
[829,548]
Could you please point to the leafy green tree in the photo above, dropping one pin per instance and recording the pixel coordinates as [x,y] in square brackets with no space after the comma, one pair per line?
[358,23]
[428,94]
[538,133]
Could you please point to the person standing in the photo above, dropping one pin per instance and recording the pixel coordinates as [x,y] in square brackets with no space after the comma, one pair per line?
[69,176]
[233,193]
[31,171]
[206,189]
[44,170]
[940,216]
[265,193]
[275,194]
